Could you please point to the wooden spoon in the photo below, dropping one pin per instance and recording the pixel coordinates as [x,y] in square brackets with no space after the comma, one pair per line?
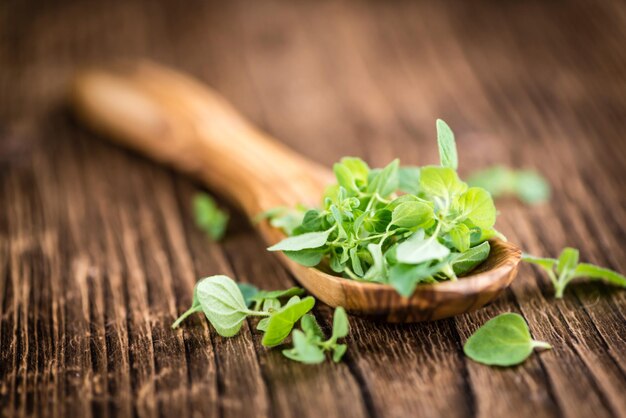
[181,122]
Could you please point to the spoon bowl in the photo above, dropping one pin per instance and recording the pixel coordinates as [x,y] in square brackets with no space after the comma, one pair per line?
[179,121]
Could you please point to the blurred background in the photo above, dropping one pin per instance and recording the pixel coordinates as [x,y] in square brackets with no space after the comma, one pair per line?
[98,249]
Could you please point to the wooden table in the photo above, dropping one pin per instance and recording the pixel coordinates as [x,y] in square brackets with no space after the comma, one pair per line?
[99,252]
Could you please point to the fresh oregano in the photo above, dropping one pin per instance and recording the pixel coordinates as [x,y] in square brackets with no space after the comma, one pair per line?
[502,341]
[209,217]
[401,226]
[227,304]
[309,344]
[566,268]
[527,185]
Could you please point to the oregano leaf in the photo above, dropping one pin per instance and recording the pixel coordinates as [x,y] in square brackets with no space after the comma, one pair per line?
[503,341]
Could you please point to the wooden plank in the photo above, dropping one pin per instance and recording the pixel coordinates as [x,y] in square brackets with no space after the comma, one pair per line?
[98,252]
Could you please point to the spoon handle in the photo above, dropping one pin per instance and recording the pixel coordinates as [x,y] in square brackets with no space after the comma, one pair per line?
[179,121]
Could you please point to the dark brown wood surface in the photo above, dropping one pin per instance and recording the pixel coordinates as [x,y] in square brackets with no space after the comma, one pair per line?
[99,252]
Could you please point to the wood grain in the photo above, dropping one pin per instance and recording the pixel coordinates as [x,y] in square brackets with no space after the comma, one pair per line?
[98,251]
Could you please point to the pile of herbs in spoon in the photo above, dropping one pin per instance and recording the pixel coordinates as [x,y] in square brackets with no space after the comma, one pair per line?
[396,225]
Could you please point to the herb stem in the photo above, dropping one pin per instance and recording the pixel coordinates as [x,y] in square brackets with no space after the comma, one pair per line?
[257,313]
[541,344]
[188,312]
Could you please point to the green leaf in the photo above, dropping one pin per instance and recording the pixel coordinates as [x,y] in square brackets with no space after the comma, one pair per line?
[378,270]
[310,327]
[447,145]
[567,262]
[209,217]
[222,303]
[341,326]
[307,257]
[386,181]
[338,352]
[460,236]
[286,219]
[351,173]
[262,295]
[499,181]
[357,268]
[248,291]
[303,350]
[281,322]
[415,214]
[477,205]
[302,242]
[312,221]
[405,277]
[594,272]
[547,264]
[409,179]
[262,325]
[503,341]
[418,249]
[531,187]
[270,305]
[465,262]
[442,185]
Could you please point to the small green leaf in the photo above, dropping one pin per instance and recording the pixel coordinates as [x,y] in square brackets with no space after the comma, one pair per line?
[357,268]
[303,350]
[418,249]
[594,272]
[547,264]
[312,221]
[531,187]
[262,325]
[270,305]
[460,236]
[338,352]
[465,262]
[409,179]
[209,217]
[310,327]
[415,214]
[378,269]
[308,257]
[447,145]
[477,205]
[302,242]
[351,173]
[405,277]
[499,181]
[222,303]
[441,183]
[281,322]
[341,326]
[568,260]
[503,341]
[261,295]
[386,181]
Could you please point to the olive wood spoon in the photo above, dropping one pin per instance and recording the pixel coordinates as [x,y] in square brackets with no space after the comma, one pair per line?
[179,121]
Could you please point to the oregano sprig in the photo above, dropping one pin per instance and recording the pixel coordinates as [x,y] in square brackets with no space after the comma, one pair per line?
[226,304]
[566,268]
[309,344]
[397,225]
